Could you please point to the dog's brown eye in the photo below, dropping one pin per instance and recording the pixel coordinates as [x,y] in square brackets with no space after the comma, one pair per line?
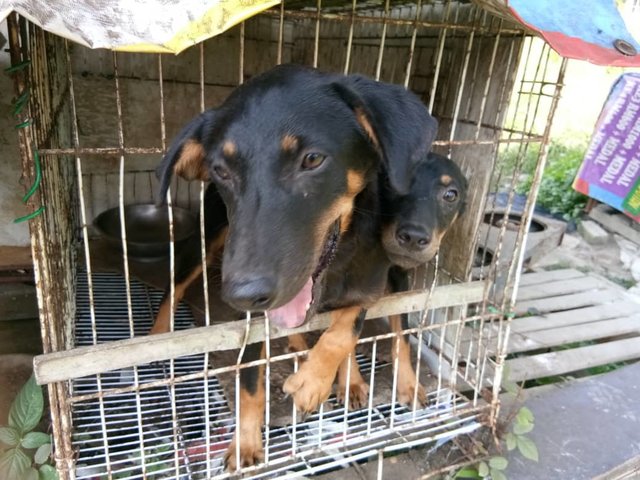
[312,160]
[450,195]
[221,172]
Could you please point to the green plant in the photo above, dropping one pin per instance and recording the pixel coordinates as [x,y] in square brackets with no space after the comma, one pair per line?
[520,422]
[556,193]
[513,158]
[27,452]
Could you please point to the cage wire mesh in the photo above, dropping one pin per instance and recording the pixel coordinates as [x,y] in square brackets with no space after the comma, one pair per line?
[100,123]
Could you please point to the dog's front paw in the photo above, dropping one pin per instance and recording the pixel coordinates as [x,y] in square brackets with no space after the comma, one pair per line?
[406,389]
[309,387]
[251,451]
[358,394]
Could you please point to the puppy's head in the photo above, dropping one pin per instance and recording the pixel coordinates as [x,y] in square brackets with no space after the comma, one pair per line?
[288,152]
[414,224]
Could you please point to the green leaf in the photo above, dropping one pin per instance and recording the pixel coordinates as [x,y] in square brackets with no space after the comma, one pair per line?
[31,474]
[528,448]
[42,454]
[27,408]
[497,475]
[522,428]
[13,464]
[9,436]
[525,414]
[483,469]
[47,472]
[35,439]
[498,463]
[469,472]
[512,441]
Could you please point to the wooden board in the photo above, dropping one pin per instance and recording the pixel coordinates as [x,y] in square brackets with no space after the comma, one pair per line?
[575,359]
[576,316]
[560,287]
[570,307]
[556,337]
[567,302]
[535,278]
[15,258]
[83,361]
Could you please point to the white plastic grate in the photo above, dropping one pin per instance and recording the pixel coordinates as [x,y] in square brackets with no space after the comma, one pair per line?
[320,444]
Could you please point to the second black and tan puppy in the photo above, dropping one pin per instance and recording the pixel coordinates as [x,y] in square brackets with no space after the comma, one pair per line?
[413,226]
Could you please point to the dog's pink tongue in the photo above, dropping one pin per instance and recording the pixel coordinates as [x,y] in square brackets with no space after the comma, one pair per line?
[292,314]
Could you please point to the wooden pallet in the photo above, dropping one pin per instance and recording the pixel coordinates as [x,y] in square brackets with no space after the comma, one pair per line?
[562,307]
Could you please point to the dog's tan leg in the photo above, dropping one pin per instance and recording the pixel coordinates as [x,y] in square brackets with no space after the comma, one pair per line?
[407,381]
[162,322]
[311,385]
[249,425]
[358,388]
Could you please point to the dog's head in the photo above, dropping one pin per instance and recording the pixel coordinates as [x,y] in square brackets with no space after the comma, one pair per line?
[289,151]
[414,224]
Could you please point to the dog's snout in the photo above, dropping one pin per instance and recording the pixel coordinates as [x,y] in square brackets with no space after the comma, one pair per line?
[250,293]
[412,237]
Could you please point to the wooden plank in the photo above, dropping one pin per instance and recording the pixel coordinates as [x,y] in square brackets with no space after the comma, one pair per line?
[574,333]
[15,258]
[574,317]
[549,276]
[556,337]
[83,361]
[568,302]
[560,287]
[566,361]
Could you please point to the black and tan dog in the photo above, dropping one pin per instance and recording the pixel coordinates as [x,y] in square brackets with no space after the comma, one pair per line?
[295,155]
[413,226]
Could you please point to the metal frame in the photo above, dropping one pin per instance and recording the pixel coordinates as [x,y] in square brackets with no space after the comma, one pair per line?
[441,326]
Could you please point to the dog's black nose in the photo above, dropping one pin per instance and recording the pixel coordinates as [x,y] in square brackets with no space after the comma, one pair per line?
[249,294]
[413,237]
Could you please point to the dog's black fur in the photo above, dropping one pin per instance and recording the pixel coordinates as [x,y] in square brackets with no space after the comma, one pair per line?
[296,156]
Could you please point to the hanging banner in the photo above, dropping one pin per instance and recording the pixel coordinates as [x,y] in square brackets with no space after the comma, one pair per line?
[163,26]
[610,171]
[604,32]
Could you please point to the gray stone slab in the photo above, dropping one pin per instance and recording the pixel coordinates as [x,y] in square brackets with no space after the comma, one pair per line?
[592,232]
[583,428]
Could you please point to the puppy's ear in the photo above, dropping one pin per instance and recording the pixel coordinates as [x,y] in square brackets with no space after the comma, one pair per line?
[395,120]
[186,155]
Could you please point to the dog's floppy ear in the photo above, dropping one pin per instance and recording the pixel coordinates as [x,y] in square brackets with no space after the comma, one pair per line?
[395,120]
[186,155]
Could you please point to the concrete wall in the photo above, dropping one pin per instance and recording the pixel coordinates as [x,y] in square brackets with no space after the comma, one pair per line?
[11,191]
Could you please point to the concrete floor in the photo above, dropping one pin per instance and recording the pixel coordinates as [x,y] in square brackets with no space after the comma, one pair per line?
[583,428]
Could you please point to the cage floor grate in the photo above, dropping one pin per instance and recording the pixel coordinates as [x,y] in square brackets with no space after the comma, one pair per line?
[160,432]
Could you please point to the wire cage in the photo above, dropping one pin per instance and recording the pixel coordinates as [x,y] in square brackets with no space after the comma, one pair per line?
[125,405]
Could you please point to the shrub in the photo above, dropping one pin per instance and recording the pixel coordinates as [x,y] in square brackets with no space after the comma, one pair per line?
[26,453]
[556,193]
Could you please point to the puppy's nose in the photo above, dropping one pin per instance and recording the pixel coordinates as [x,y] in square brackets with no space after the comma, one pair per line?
[413,237]
[249,294]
